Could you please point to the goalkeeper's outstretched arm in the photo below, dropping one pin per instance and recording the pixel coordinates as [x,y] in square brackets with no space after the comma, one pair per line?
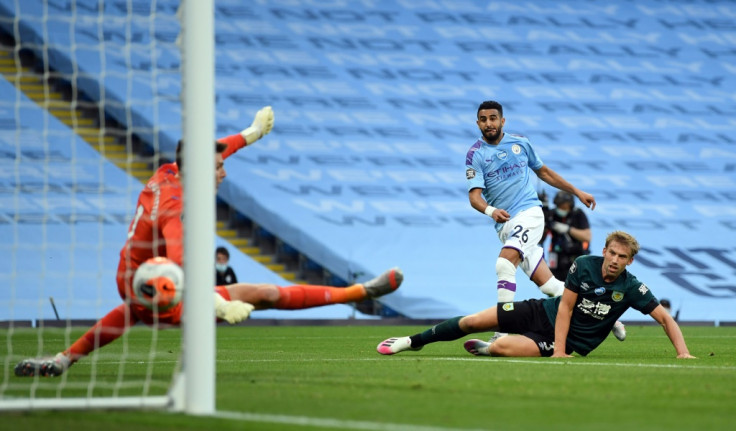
[232,311]
[261,126]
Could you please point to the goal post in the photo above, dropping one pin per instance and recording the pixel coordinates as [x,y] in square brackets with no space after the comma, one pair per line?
[199,204]
[55,170]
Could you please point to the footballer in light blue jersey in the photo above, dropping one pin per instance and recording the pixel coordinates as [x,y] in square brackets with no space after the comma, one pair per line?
[499,168]
[504,173]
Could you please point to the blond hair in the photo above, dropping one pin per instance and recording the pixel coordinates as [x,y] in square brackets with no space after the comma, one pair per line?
[624,238]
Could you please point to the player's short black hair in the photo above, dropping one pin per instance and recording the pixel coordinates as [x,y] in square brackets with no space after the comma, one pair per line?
[222,250]
[564,197]
[491,104]
[219,148]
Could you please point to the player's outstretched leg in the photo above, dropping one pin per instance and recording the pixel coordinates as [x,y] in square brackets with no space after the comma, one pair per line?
[384,283]
[302,296]
[395,345]
[44,367]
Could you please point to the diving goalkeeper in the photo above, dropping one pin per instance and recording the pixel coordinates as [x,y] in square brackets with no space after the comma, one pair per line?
[156,230]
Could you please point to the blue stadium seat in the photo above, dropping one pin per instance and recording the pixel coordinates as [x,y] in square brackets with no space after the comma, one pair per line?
[375,107]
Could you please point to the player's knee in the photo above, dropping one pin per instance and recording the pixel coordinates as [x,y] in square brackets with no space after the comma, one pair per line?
[505,270]
[473,323]
[512,254]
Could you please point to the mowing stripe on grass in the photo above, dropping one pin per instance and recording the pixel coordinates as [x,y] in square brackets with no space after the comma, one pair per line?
[535,361]
[330,422]
[513,360]
[582,362]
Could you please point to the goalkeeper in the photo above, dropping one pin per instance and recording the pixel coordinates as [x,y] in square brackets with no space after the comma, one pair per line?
[156,230]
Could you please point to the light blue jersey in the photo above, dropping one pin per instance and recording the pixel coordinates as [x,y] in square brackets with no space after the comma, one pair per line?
[504,172]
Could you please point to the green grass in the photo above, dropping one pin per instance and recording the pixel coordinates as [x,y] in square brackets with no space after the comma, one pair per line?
[331,378]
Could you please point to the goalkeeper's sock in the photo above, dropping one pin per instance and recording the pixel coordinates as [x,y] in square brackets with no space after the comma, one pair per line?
[105,331]
[446,331]
[307,296]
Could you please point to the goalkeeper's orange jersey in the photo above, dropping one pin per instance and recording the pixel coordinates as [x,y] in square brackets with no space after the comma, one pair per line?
[156,228]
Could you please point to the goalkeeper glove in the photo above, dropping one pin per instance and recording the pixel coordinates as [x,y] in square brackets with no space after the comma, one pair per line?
[262,125]
[560,228]
[231,311]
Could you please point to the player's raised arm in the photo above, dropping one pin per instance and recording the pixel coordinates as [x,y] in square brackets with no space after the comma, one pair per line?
[261,126]
[556,180]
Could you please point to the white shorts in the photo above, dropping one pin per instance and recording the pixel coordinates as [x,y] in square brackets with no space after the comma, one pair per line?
[523,233]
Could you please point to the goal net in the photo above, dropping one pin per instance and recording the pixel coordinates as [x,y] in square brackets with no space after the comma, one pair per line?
[91,96]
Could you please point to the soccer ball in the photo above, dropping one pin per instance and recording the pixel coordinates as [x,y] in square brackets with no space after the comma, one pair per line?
[158,284]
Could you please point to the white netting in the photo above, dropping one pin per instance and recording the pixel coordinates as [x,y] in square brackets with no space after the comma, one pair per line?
[80,129]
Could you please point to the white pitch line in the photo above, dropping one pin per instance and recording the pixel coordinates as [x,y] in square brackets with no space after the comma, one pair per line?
[331,422]
[471,359]
[573,362]
[579,361]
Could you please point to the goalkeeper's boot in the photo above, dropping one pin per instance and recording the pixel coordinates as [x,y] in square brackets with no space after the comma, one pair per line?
[44,367]
[478,347]
[384,283]
[619,330]
[395,345]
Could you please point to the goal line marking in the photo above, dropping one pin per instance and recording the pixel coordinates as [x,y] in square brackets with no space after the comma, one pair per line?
[342,424]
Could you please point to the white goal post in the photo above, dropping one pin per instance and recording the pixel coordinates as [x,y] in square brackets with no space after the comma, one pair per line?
[192,387]
[198,57]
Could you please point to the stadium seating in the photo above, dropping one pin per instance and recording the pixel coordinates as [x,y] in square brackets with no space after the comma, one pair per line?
[375,107]
[54,246]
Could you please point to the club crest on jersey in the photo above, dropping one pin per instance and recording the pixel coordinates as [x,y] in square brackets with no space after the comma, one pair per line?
[470,173]
[502,155]
[509,306]
[515,149]
[617,296]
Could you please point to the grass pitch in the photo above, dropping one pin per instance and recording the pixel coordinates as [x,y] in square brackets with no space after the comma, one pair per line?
[276,378]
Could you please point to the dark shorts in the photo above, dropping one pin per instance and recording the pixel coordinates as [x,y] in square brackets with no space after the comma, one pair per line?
[529,319]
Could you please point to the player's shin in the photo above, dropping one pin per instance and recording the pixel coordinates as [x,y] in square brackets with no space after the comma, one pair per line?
[106,330]
[506,285]
[446,331]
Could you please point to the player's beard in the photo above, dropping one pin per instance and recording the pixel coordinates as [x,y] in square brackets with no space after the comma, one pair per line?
[492,137]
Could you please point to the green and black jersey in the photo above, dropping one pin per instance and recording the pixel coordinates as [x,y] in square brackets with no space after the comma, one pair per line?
[599,304]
